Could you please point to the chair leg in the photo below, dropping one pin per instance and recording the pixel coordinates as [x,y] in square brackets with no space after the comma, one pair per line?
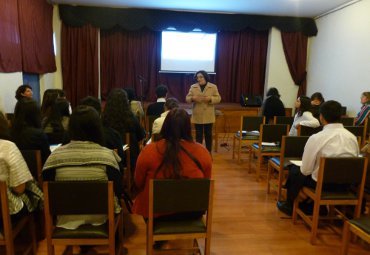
[345,239]
[32,233]
[233,148]
[149,243]
[295,208]
[258,167]
[315,222]
[269,170]
[207,246]
[239,150]
[280,183]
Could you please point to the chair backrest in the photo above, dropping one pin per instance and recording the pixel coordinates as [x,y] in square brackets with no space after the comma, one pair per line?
[293,146]
[34,163]
[251,123]
[358,131]
[344,170]
[10,230]
[308,131]
[284,120]
[347,121]
[273,132]
[184,195]
[78,197]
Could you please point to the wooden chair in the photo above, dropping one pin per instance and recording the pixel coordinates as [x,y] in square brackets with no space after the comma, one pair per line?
[80,197]
[10,230]
[34,163]
[268,134]
[284,120]
[247,123]
[347,121]
[359,227]
[179,196]
[308,131]
[358,131]
[292,147]
[127,176]
[334,171]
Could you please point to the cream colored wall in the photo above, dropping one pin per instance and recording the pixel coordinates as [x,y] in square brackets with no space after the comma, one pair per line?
[9,82]
[277,72]
[54,80]
[339,59]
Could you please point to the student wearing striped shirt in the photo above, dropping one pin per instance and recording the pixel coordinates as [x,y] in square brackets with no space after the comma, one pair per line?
[365,109]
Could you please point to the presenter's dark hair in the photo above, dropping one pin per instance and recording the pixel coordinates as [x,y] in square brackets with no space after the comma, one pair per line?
[331,111]
[204,73]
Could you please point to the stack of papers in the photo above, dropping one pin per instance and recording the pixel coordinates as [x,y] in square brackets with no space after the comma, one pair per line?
[252,133]
[125,147]
[296,162]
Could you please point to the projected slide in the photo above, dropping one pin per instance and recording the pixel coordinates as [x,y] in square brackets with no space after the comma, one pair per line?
[188,52]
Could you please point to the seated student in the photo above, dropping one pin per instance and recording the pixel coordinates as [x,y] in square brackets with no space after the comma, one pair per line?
[316,101]
[84,159]
[14,171]
[157,108]
[365,109]
[272,106]
[136,107]
[171,103]
[303,116]
[118,115]
[176,156]
[26,128]
[23,91]
[112,139]
[333,141]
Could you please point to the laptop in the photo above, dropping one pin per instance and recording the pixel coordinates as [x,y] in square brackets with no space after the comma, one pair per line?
[250,100]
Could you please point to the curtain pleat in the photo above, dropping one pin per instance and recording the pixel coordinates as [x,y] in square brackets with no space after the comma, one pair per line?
[295,50]
[80,62]
[10,42]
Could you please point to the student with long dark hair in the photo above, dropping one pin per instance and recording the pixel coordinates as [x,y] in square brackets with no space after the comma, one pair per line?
[303,116]
[272,106]
[175,156]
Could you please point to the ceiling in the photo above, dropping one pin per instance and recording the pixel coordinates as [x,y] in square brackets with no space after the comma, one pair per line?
[296,8]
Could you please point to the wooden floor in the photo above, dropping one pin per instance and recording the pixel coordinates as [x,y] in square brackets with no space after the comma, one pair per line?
[246,220]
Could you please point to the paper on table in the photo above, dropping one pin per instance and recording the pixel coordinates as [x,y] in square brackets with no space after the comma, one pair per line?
[296,162]
[268,144]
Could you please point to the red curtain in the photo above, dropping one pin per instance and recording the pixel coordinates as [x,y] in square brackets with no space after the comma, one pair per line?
[26,42]
[80,62]
[241,63]
[129,59]
[10,42]
[295,49]
[36,30]
[126,56]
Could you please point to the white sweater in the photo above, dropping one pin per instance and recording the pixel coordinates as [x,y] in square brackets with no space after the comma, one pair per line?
[307,119]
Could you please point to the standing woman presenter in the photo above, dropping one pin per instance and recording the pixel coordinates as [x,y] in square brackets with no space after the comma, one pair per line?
[204,95]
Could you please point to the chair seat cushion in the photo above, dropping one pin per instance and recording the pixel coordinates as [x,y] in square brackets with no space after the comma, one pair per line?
[363,223]
[83,231]
[275,160]
[178,226]
[327,195]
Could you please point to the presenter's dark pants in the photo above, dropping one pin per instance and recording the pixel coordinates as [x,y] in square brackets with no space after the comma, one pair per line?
[206,131]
